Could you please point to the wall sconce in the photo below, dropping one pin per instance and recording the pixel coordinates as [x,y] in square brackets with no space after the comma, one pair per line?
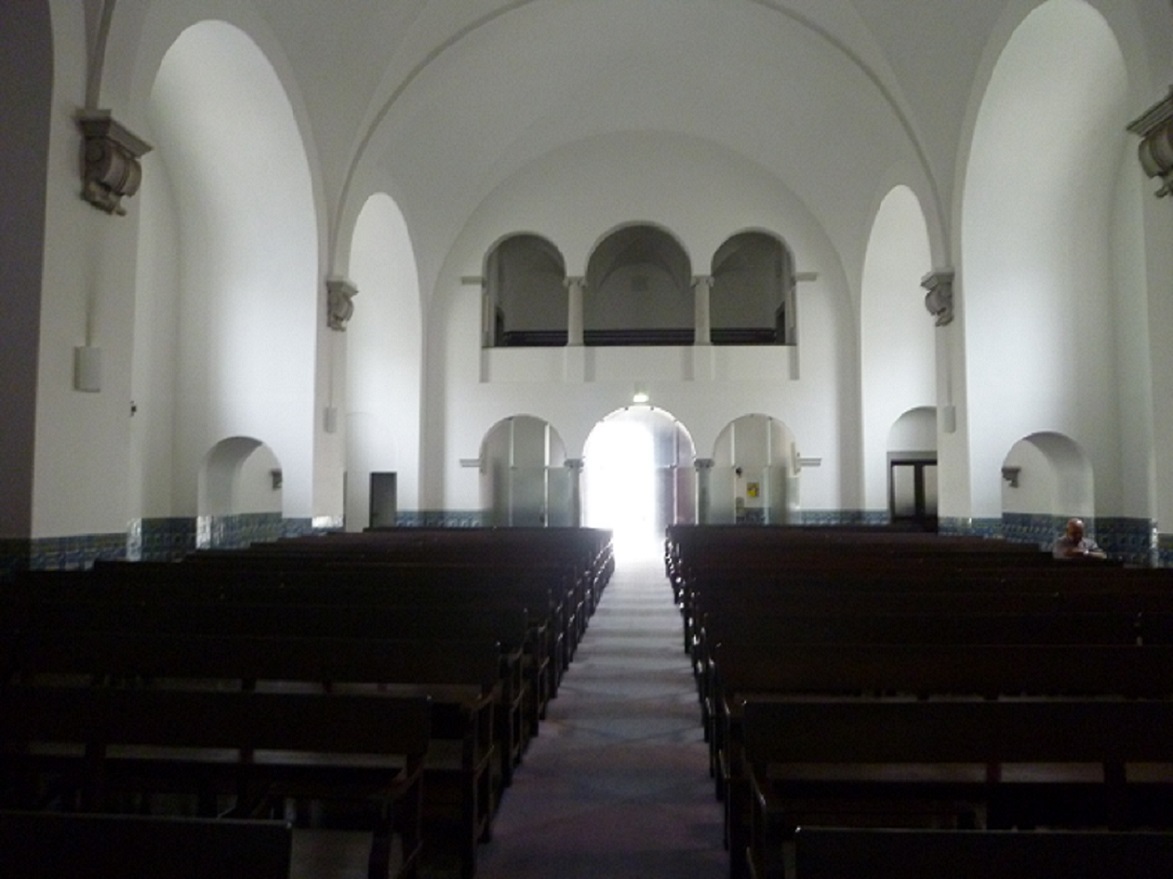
[1155,152]
[87,369]
[276,478]
[1010,474]
[110,168]
[641,393]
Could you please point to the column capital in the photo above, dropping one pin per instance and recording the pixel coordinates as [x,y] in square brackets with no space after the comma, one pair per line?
[703,463]
[573,464]
[574,281]
[1155,127]
[702,280]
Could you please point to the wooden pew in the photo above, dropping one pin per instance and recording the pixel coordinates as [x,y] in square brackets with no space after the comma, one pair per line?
[511,629]
[255,747]
[839,852]
[758,672]
[52,845]
[320,577]
[464,773]
[997,764]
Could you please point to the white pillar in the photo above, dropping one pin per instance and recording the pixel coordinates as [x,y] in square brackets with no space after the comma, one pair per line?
[574,287]
[701,285]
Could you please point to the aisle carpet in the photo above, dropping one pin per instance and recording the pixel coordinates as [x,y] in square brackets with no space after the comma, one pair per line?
[616,785]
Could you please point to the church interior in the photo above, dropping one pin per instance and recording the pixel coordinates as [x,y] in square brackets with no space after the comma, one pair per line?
[467,282]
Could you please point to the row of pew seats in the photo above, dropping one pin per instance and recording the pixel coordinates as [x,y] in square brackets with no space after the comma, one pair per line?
[854,683]
[384,683]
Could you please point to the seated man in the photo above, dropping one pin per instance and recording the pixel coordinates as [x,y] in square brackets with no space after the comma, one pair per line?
[1074,545]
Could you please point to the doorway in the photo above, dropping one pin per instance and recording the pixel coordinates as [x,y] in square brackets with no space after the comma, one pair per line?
[638,478]
[912,492]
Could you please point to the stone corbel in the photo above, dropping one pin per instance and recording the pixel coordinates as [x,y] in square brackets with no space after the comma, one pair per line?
[1155,152]
[340,294]
[110,154]
[939,299]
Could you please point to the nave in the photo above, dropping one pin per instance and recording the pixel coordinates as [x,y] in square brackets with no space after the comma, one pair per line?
[616,785]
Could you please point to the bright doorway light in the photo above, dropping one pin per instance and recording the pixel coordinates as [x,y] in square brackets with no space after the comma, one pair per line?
[620,486]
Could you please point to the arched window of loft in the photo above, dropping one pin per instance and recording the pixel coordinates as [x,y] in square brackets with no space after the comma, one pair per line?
[525,294]
[638,290]
[752,298]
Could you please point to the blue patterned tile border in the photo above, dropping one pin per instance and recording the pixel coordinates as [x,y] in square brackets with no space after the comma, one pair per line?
[842,517]
[1164,550]
[1130,540]
[966,527]
[161,539]
[442,519]
[74,552]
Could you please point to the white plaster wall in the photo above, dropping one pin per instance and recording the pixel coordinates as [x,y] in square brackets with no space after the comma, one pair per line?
[154,490]
[248,259]
[1040,346]
[576,196]
[80,469]
[897,347]
[1037,489]
[383,367]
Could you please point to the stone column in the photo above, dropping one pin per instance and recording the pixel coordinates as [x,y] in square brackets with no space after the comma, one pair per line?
[704,467]
[701,285]
[575,287]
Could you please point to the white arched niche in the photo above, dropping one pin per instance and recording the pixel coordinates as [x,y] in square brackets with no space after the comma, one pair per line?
[1040,213]
[227,305]
[384,345]
[897,345]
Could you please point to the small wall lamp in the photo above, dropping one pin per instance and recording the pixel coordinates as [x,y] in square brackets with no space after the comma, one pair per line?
[1010,474]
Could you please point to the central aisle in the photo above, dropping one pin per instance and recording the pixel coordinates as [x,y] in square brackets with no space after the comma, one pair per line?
[617,784]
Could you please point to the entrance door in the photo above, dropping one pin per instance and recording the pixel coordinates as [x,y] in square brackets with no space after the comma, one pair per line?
[383,500]
[912,492]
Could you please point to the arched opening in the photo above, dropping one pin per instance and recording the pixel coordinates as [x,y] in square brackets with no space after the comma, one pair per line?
[912,469]
[754,480]
[752,298]
[526,296]
[1046,478]
[639,478]
[638,290]
[524,478]
[240,494]
[384,343]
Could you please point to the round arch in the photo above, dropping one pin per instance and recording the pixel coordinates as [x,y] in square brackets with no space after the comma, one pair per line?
[228,298]
[384,351]
[240,493]
[1047,477]
[639,289]
[752,297]
[754,477]
[1044,286]
[526,299]
[639,477]
[524,479]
